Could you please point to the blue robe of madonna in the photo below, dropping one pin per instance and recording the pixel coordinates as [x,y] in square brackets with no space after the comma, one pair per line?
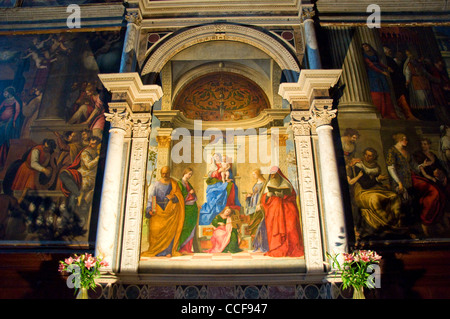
[218,194]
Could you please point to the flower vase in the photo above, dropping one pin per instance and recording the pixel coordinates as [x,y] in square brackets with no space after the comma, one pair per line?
[82,293]
[358,293]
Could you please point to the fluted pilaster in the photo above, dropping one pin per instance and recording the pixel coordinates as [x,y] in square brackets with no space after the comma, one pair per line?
[345,48]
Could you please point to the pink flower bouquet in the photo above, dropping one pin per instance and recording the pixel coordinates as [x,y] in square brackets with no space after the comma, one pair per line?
[83,270]
[355,269]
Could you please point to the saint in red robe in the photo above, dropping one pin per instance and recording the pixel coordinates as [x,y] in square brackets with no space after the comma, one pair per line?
[281,217]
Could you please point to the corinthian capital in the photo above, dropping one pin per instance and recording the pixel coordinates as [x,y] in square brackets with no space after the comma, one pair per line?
[321,112]
[133,17]
[119,119]
[300,123]
[308,13]
[141,129]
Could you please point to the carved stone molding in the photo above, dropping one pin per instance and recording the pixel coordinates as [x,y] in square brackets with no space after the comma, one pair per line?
[265,118]
[55,17]
[152,9]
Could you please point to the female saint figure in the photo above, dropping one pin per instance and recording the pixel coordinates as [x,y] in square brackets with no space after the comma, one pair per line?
[379,86]
[9,122]
[219,193]
[413,188]
[191,213]
[257,225]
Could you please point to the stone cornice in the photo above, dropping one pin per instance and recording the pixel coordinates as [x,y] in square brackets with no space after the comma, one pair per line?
[127,89]
[392,12]
[181,22]
[265,118]
[218,8]
[45,18]
[418,6]
[301,93]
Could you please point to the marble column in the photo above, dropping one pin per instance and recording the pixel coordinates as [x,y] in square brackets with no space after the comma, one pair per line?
[135,193]
[129,54]
[334,215]
[311,229]
[312,48]
[106,242]
[346,52]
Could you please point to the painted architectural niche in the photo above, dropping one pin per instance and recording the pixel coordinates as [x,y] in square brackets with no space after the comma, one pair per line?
[221,96]
[232,190]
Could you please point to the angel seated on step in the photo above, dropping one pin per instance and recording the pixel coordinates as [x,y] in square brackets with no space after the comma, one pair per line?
[226,238]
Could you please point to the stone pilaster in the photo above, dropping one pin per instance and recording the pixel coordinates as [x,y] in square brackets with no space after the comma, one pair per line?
[345,49]
[312,240]
[135,193]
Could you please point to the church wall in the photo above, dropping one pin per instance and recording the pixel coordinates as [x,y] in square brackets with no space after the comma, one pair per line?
[415,258]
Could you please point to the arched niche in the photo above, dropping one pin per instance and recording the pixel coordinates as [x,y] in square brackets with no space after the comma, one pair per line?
[159,56]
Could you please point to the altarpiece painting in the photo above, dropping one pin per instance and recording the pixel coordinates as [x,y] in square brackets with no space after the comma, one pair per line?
[239,200]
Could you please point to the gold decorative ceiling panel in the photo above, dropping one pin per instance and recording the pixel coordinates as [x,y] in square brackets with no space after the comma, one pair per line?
[221,96]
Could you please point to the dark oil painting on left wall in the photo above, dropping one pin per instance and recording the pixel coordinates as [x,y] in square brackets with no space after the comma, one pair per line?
[52,143]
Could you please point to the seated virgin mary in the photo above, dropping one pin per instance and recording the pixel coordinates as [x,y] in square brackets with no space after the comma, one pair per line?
[219,193]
